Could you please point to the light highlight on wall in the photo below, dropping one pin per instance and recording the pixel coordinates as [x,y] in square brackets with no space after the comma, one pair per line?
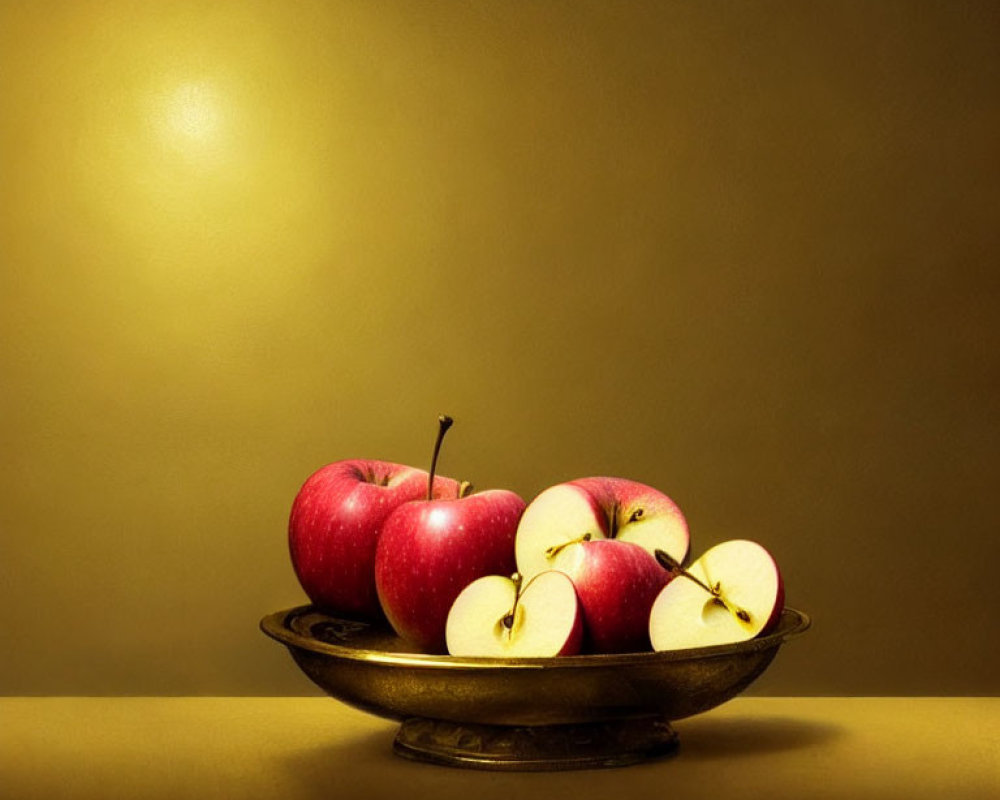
[191,113]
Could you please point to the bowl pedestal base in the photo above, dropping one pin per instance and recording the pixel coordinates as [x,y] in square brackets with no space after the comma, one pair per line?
[614,743]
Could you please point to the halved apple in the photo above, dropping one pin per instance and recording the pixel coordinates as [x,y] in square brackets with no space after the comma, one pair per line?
[497,616]
[734,592]
[598,508]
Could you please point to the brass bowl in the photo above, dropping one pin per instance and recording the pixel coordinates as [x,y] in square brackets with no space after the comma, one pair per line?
[525,713]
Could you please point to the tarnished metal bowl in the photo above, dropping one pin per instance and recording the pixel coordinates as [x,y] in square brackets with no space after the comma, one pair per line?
[523,713]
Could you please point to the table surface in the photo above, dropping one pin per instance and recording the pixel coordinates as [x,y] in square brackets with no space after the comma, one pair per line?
[315,747]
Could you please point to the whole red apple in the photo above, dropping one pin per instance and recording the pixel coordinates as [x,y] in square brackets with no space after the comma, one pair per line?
[431,549]
[335,522]
[617,583]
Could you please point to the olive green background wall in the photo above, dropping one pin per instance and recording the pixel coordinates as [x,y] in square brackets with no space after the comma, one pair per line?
[744,252]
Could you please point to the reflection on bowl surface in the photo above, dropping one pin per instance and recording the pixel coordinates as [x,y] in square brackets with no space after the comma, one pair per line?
[367,666]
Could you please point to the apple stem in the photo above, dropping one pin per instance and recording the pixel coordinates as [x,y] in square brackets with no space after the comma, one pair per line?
[444,422]
[552,552]
[613,522]
[464,489]
[673,566]
[508,620]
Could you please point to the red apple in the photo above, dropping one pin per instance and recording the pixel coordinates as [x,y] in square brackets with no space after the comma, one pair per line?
[616,583]
[500,617]
[734,592]
[602,508]
[335,521]
[431,549]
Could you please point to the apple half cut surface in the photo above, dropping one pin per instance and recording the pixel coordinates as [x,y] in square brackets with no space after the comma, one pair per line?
[598,508]
[734,592]
[496,616]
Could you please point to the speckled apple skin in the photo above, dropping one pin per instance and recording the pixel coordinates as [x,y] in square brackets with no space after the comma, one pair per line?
[616,583]
[430,551]
[334,525]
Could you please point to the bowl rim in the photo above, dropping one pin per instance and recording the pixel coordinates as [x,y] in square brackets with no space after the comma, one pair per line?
[276,625]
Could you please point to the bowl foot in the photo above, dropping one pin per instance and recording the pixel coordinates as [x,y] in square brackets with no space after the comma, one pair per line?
[615,743]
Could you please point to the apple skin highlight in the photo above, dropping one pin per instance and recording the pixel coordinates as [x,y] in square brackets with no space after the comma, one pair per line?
[334,525]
